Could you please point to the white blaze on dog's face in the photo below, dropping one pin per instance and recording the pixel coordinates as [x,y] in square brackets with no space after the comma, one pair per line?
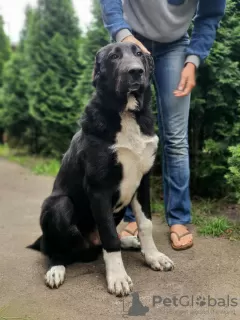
[122,68]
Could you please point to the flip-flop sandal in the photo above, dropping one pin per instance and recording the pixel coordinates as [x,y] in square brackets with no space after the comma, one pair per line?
[184,247]
[132,233]
[130,242]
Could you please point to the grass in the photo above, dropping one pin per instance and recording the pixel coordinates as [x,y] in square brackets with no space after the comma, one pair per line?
[206,214]
[215,227]
[38,165]
[49,167]
[158,207]
[208,218]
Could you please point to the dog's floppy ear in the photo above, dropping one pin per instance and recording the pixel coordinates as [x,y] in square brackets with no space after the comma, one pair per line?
[96,70]
[150,63]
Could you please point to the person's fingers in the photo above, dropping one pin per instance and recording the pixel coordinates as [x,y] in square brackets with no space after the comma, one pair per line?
[137,42]
[181,86]
[182,83]
[187,82]
[188,88]
[143,48]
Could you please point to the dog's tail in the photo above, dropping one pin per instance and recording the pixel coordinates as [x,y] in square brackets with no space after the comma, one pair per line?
[36,245]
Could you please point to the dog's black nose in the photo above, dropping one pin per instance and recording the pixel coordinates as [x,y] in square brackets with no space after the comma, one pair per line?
[136,72]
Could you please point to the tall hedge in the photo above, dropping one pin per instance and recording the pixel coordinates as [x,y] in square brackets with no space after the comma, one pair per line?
[52,51]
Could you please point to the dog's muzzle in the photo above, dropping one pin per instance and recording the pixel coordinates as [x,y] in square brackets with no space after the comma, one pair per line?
[135,76]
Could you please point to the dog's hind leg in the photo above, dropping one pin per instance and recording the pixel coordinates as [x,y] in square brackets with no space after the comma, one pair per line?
[60,237]
[55,275]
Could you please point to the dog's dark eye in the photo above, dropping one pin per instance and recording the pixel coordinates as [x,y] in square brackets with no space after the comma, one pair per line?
[139,53]
[114,56]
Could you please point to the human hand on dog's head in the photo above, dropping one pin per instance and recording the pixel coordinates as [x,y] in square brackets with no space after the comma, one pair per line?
[132,39]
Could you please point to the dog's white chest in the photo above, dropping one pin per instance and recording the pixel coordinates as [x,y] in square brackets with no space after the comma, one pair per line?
[136,153]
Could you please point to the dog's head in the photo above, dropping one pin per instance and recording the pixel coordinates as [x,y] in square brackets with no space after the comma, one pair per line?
[122,68]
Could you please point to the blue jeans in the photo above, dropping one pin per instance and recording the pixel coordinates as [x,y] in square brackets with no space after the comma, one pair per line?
[173,114]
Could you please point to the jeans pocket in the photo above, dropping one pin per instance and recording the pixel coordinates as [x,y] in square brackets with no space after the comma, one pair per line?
[176,2]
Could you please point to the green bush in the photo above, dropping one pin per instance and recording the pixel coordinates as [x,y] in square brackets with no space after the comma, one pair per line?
[233,175]
[215,109]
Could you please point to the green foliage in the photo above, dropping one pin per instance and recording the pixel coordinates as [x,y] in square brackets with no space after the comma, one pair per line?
[5,49]
[95,38]
[5,52]
[233,175]
[53,70]
[14,115]
[215,116]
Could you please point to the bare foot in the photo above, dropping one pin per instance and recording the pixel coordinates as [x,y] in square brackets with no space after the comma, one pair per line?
[129,237]
[181,237]
[130,230]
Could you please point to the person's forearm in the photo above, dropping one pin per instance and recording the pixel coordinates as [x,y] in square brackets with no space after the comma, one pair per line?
[209,14]
[112,13]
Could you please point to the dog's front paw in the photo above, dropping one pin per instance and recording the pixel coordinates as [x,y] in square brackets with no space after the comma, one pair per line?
[158,261]
[55,276]
[119,284]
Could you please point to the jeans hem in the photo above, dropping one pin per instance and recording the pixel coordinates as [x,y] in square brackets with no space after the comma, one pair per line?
[126,219]
[172,222]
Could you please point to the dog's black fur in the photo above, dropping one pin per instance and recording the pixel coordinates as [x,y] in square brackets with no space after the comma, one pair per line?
[86,189]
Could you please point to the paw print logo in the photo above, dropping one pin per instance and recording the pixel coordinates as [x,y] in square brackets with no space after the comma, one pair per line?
[201,301]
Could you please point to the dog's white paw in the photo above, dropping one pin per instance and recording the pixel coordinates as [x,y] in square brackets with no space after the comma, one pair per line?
[158,261]
[130,242]
[55,276]
[119,284]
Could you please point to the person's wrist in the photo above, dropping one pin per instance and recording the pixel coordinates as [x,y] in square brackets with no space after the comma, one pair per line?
[194,59]
[122,34]
[191,65]
[128,38]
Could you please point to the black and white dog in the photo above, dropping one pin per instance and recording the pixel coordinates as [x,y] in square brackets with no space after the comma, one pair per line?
[105,169]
